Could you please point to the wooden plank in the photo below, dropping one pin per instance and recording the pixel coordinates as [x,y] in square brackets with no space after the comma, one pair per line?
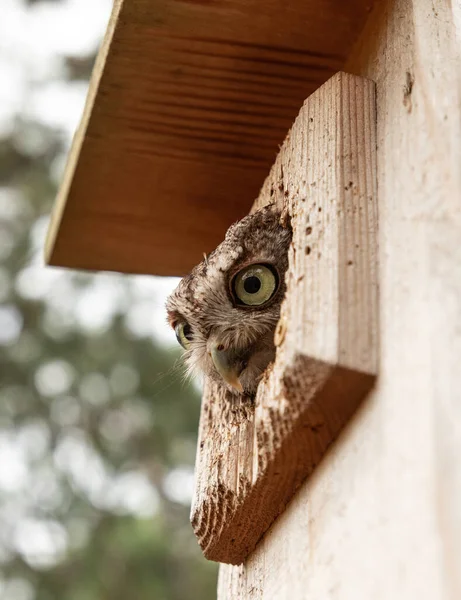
[381,516]
[187,106]
[252,457]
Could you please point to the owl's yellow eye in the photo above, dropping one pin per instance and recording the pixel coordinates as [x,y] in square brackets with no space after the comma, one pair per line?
[254,285]
[183,333]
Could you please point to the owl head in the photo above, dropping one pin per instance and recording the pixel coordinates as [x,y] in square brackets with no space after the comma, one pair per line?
[226,310]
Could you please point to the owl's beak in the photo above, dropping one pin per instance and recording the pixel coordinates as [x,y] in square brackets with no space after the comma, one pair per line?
[229,365]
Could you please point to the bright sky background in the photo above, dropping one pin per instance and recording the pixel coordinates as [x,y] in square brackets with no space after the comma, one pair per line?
[33,42]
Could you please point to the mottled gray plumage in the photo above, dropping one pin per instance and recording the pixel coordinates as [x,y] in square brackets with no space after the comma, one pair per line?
[225,339]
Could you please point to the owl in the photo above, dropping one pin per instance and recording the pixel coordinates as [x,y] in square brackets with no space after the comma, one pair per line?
[225,312]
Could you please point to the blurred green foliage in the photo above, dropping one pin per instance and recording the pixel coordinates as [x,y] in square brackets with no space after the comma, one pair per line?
[97,427]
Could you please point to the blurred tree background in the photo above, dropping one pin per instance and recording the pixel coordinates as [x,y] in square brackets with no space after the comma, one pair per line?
[97,427]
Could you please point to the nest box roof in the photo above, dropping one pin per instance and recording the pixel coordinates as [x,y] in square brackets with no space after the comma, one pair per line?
[188,104]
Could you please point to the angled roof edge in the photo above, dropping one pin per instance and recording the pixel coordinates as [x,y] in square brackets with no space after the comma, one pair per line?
[188,104]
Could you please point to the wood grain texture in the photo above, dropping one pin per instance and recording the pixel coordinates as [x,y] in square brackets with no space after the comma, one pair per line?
[381,516]
[188,104]
[253,456]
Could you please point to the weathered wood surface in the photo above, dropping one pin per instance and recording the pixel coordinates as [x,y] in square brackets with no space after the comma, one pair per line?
[186,110]
[381,516]
[252,457]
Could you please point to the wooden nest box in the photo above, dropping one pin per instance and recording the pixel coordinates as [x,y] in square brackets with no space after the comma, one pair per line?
[346,116]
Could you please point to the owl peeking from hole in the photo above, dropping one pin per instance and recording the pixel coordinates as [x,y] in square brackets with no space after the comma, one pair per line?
[225,311]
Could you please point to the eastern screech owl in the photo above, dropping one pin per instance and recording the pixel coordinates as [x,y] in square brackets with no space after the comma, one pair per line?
[226,310]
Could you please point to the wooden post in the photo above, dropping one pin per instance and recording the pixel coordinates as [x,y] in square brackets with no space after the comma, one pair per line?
[253,456]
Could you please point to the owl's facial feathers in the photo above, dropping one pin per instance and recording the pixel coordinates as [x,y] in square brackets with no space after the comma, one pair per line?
[226,310]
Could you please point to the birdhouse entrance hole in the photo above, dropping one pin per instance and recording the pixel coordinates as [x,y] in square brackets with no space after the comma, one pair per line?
[253,455]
